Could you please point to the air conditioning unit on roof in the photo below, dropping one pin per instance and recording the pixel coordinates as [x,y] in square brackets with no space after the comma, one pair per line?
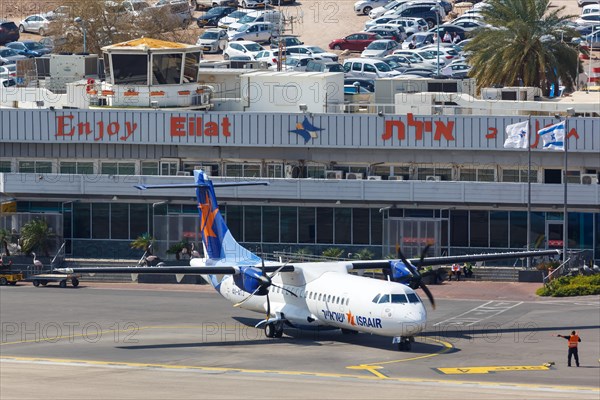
[334,174]
[183,173]
[374,178]
[396,178]
[354,175]
[589,179]
[432,178]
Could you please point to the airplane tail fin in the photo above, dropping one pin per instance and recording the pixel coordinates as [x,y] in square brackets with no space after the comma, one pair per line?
[219,243]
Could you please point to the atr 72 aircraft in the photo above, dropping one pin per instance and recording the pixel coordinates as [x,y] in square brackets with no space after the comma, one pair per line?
[307,295]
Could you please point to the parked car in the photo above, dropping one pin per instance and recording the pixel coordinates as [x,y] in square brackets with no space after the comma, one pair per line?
[28,48]
[255,3]
[242,48]
[380,48]
[392,32]
[593,39]
[212,16]
[417,40]
[60,12]
[314,51]
[35,23]
[213,40]
[9,56]
[272,16]
[397,62]
[425,12]
[8,71]
[205,4]
[293,64]
[588,19]
[367,84]
[410,25]
[582,3]
[452,29]
[469,25]
[286,41]
[269,56]
[367,68]
[9,32]
[354,42]
[7,82]
[259,32]
[232,17]
[178,10]
[364,7]
[324,66]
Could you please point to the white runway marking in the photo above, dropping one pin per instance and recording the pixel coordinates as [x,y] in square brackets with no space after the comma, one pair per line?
[480,313]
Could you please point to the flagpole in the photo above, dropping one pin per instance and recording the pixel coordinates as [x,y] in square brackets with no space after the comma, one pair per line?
[570,113]
[529,188]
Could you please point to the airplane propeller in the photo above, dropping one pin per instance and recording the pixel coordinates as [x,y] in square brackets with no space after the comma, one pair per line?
[417,279]
[265,282]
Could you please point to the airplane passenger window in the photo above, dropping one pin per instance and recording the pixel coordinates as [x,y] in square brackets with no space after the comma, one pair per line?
[319,296]
[413,298]
[347,301]
[328,298]
[384,298]
[399,298]
[376,299]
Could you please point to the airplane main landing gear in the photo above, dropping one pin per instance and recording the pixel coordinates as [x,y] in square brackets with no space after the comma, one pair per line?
[274,330]
[404,342]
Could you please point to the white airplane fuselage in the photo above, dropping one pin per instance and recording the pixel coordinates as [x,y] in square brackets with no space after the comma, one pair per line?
[328,296]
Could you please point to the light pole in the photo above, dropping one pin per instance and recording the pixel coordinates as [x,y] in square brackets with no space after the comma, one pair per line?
[79,20]
[570,114]
[437,32]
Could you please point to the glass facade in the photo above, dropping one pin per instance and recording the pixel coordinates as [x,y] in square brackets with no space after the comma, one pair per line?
[317,228]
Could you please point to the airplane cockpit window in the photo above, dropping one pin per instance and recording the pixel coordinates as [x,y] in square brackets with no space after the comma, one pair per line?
[376,299]
[413,298]
[399,298]
[385,298]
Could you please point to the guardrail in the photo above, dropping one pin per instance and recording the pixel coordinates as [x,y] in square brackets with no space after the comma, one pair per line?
[555,273]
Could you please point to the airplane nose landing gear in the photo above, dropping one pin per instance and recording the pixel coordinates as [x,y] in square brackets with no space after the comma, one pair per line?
[404,342]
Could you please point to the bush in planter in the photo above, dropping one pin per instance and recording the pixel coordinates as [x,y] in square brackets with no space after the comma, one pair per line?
[567,286]
[177,248]
[333,252]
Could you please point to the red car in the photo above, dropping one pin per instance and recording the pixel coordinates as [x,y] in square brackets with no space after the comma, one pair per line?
[355,42]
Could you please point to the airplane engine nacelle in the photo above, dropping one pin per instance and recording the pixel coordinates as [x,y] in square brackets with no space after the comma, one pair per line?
[250,279]
[400,272]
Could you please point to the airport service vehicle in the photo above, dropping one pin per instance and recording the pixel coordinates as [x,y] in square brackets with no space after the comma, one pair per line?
[311,294]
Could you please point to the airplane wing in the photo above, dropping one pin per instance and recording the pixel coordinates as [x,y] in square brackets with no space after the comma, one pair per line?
[185,270]
[430,261]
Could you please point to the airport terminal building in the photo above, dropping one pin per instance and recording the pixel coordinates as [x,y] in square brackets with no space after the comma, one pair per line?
[351,181]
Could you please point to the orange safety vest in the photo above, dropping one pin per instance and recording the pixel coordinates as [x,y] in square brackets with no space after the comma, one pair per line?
[573,340]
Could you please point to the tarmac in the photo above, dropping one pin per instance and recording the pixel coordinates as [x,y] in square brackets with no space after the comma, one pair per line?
[145,341]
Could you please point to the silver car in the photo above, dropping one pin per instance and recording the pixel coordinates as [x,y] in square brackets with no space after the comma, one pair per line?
[213,40]
[35,23]
[9,56]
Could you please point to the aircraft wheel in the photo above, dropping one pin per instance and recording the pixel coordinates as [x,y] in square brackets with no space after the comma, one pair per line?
[75,282]
[3,281]
[279,331]
[270,330]
[63,283]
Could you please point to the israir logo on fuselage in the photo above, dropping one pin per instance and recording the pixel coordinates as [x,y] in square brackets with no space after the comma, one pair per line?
[354,320]
[306,130]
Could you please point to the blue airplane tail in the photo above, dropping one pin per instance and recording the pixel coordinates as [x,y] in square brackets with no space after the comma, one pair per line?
[219,243]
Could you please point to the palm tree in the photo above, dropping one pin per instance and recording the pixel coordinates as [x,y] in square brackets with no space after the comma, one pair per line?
[524,46]
[333,252]
[36,235]
[363,254]
[143,242]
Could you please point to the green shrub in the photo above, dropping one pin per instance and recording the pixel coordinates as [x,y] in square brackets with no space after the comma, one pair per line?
[567,286]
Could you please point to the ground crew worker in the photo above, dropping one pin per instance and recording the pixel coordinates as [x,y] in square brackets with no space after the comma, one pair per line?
[574,339]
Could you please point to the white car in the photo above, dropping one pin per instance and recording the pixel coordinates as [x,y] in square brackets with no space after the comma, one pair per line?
[293,64]
[380,48]
[468,24]
[272,16]
[313,51]
[35,23]
[411,25]
[458,70]
[8,71]
[255,3]
[242,48]
[233,17]
[269,56]
[447,52]
[427,59]
[368,68]
[213,40]
[379,11]
[364,7]
[260,32]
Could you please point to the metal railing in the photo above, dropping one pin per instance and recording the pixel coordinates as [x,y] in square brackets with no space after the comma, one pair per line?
[59,258]
[556,272]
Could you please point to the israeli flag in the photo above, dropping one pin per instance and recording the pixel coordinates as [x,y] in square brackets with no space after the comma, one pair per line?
[553,136]
[517,136]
